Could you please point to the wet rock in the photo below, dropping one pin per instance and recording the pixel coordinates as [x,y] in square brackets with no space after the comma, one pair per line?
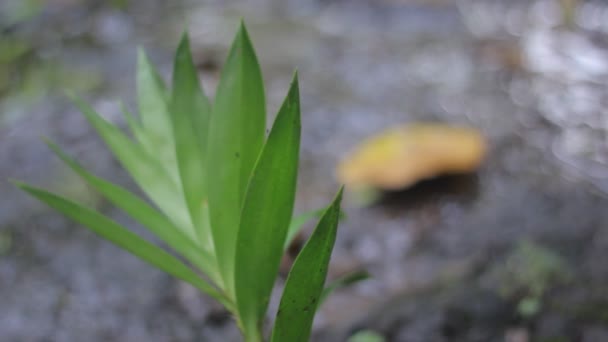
[192,302]
[476,315]
[517,335]
[555,327]
[113,27]
[595,333]
[459,314]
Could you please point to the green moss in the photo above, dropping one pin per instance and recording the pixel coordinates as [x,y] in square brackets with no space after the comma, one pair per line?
[594,311]
[527,273]
[366,336]
[6,242]
[20,10]
[29,80]
[11,49]
[532,269]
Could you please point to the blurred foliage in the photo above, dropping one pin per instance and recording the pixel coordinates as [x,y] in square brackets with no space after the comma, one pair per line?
[120,4]
[528,272]
[15,11]
[366,336]
[27,73]
[6,242]
[12,49]
[569,8]
[534,268]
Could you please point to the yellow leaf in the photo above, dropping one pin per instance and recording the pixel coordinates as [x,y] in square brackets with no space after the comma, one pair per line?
[404,155]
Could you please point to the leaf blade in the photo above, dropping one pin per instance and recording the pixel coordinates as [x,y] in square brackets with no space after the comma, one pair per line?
[146,171]
[266,214]
[124,238]
[138,209]
[235,141]
[305,281]
[137,130]
[297,223]
[152,101]
[190,112]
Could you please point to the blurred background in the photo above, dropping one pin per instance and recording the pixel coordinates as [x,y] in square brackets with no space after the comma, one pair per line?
[514,250]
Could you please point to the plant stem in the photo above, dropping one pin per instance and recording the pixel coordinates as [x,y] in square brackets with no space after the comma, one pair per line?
[257,337]
[249,334]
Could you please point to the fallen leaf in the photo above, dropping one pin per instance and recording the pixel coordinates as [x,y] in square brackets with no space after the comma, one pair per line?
[402,156]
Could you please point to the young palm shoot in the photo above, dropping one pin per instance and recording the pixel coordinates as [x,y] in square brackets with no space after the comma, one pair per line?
[221,193]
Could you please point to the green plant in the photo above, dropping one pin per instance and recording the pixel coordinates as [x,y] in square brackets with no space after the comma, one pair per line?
[223,191]
[366,336]
[528,272]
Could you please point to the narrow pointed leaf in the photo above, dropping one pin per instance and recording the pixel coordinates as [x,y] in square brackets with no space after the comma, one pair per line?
[266,214]
[190,113]
[137,130]
[366,336]
[146,171]
[236,137]
[305,281]
[297,223]
[152,85]
[138,209]
[125,239]
[152,100]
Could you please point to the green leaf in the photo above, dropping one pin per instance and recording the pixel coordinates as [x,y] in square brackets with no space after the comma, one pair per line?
[236,137]
[297,223]
[138,209]
[152,178]
[342,282]
[366,336]
[304,285]
[266,214]
[125,239]
[152,100]
[190,113]
[137,130]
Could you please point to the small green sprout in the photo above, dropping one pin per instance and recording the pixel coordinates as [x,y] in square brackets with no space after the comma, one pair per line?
[366,336]
[222,191]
